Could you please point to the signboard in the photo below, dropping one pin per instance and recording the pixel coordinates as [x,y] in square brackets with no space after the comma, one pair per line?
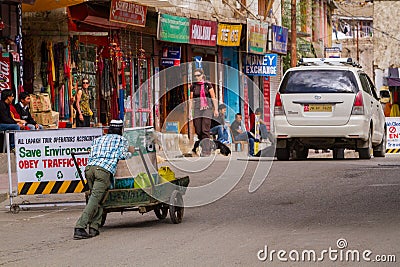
[198,62]
[172,126]
[171,56]
[260,65]
[279,39]
[393,133]
[173,29]
[203,32]
[229,34]
[332,52]
[257,36]
[5,71]
[44,160]
[128,13]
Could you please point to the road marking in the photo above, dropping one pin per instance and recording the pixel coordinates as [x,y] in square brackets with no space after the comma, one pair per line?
[380,185]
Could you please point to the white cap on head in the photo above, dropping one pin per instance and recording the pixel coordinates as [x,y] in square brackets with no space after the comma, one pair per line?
[116,123]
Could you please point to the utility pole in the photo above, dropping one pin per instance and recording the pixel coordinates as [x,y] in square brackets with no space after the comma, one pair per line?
[358,50]
[293,48]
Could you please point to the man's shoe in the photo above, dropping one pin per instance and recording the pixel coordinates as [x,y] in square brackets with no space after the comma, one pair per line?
[80,233]
[93,232]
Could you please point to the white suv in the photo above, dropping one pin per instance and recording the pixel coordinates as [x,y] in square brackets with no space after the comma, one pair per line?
[328,104]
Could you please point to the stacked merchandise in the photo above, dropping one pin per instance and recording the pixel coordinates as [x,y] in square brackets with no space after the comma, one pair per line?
[40,107]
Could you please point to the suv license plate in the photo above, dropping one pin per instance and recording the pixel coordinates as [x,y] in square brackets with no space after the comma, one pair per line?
[318,108]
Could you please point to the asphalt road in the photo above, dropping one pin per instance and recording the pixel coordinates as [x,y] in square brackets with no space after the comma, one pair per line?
[302,206]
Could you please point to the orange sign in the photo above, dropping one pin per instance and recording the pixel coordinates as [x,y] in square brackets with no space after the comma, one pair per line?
[229,34]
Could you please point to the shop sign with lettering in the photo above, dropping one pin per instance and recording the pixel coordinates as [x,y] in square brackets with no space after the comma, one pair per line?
[260,65]
[171,56]
[257,36]
[5,72]
[128,13]
[229,34]
[203,32]
[173,29]
[279,39]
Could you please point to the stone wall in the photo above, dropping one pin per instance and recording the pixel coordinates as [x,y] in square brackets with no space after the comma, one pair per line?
[386,46]
[366,52]
[204,9]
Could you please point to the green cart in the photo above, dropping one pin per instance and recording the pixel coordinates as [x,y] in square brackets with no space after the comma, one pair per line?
[160,198]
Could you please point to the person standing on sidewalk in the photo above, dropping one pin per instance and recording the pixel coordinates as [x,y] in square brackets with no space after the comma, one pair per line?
[83,111]
[104,155]
[202,95]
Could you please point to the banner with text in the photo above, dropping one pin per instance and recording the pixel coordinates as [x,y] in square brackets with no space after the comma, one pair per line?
[229,34]
[203,32]
[5,71]
[257,36]
[128,13]
[47,156]
[173,29]
[393,134]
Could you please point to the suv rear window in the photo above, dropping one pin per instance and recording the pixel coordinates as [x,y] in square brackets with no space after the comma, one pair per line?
[319,81]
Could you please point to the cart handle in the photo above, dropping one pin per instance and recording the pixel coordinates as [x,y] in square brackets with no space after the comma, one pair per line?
[73,154]
[147,169]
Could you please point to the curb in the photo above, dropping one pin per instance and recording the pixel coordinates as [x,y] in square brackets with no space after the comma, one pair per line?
[3,197]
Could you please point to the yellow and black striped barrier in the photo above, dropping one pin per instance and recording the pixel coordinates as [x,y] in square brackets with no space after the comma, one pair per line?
[393,150]
[50,187]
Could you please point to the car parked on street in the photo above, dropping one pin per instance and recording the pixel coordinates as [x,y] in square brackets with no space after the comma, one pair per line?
[328,104]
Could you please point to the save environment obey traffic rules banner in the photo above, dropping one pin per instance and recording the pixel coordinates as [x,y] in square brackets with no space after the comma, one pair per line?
[44,161]
[393,134]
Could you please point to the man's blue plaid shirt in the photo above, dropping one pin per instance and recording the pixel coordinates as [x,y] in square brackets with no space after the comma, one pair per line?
[107,150]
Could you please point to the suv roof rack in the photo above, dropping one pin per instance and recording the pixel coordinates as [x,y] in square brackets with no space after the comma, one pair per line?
[331,61]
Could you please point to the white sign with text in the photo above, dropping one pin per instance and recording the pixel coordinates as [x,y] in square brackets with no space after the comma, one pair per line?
[46,155]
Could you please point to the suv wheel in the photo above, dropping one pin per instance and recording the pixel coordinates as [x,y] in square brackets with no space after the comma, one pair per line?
[365,153]
[380,150]
[300,153]
[282,153]
[338,153]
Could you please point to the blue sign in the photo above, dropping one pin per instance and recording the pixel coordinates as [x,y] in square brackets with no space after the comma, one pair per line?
[259,65]
[171,56]
[172,126]
[279,39]
[198,60]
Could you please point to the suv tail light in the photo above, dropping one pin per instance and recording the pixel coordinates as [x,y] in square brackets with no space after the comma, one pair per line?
[358,106]
[278,108]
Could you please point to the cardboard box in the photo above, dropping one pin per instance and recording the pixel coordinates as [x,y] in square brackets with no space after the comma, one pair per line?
[40,103]
[51,126]
[46,118]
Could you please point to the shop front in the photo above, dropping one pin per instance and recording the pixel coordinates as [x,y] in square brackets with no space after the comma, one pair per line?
[173,39]
[11,47]
[228,39]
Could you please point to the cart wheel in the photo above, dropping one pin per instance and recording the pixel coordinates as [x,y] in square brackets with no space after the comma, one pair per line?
[161,211]
[15,208]
[103,219]
[176,207]
[25,202]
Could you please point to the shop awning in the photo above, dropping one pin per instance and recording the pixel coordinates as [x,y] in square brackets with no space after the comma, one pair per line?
[45,5]
[93,15]
[393,78]
[156,3]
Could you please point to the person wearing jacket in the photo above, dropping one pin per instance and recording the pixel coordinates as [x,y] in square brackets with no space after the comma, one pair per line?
[7,123]
[22,108]
[204,104]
